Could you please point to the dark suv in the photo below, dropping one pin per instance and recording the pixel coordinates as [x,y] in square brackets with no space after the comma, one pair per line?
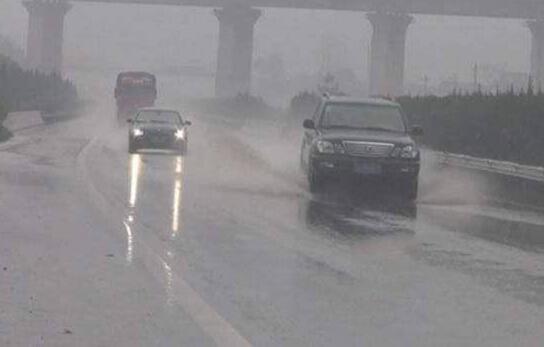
[367,139]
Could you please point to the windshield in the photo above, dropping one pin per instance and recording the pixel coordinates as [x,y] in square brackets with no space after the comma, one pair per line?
[363,116]
[158,117]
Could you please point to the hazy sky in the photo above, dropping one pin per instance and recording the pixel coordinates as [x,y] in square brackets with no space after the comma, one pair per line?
[143,36]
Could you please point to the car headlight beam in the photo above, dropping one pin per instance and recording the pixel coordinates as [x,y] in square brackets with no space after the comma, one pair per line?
[137,132]
[180,134]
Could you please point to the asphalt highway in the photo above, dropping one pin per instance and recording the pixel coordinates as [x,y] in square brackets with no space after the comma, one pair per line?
[226,246]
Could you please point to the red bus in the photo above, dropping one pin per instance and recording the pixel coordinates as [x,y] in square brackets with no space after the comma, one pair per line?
[133,90]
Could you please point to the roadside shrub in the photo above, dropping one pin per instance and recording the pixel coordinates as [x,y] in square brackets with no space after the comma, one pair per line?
[504,126]
[3,113]
[24,90]
[4,133]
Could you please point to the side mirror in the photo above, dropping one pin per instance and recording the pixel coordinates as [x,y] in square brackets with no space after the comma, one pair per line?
[130,121]
[308,124]
[188,122]
[417,130]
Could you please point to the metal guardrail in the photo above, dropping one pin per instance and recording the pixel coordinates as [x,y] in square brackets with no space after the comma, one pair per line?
[502,167]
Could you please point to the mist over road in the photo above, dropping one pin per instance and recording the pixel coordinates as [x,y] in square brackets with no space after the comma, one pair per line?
[227,247]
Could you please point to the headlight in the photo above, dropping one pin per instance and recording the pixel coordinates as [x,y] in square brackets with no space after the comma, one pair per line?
[328,147]
[324,147]
[180,134]
[406,152]
[137,132]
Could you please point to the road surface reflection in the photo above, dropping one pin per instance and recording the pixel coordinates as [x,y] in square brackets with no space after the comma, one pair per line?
[339,214]
[178,192]
[147,175]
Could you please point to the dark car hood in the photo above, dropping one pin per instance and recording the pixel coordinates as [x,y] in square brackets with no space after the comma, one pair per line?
[366,135]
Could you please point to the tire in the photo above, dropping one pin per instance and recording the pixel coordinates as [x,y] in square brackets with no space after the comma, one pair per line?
[410,189]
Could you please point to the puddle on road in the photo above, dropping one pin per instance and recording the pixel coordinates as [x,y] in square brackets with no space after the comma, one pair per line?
[514,282]
[505,228]
[349,223]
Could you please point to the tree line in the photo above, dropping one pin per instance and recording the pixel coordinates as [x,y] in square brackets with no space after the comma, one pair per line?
[25,90]
[503,125]
[22,90]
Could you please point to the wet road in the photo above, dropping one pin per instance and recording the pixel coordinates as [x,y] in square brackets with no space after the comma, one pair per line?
[226,247]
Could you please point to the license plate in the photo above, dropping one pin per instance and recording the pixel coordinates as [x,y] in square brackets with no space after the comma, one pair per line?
[366,168]
[158,139]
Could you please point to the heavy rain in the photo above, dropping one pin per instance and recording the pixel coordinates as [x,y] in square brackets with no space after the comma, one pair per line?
[271,173]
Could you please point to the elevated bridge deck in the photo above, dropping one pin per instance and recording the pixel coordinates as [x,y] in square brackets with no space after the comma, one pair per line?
[523,9]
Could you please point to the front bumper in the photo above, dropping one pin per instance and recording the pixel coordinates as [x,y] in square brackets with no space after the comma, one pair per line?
[158,142]
[351,166]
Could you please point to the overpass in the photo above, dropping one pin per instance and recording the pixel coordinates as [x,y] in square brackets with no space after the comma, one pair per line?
[521,9]
[390,20]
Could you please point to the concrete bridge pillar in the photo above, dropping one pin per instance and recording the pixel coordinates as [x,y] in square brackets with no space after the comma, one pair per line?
[537,52]
[388,53]
[45,34]
[235,52]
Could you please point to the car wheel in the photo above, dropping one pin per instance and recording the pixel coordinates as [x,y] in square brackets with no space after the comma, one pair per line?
[410,189]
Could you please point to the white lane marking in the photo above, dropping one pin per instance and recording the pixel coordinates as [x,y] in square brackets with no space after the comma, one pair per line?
[135,171]
[176,207]
[130,242]
[215,326]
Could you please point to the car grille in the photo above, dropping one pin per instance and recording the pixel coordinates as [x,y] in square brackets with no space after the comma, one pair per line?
[159,134]
[368,149]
